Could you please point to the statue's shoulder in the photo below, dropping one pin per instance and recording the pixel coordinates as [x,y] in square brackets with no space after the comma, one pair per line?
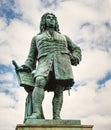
[60,36]
[34,38]
[39,36]
[68,39]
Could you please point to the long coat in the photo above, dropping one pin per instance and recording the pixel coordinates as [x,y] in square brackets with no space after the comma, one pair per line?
[54,54]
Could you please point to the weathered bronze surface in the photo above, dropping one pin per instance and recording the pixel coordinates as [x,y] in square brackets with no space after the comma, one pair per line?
[54,53]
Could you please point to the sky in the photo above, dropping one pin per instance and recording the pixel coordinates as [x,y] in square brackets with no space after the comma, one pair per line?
[88,24]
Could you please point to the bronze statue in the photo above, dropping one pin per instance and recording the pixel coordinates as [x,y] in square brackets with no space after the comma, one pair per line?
[51,56]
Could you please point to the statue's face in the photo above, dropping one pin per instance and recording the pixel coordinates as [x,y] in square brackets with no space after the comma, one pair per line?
[50,21]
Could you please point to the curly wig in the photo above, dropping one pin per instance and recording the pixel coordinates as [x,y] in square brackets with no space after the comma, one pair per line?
[43,23]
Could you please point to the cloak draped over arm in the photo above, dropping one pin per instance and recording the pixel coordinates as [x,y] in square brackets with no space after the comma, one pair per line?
[74,52]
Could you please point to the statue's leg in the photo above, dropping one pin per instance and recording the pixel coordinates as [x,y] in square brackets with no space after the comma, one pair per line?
[37,97]
[57,101]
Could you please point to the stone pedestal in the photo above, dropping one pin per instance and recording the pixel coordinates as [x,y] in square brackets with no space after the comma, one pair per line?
[54,125]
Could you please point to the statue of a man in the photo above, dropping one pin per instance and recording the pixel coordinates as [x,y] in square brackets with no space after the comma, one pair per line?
[51,55]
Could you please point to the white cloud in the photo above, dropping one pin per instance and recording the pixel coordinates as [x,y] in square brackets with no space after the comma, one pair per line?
[94,65]
[74,13]
[15,41]
[30,10]
[11,110]
[6,77]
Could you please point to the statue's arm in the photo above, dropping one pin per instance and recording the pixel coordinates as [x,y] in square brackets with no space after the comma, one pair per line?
[32,56]
[75,51]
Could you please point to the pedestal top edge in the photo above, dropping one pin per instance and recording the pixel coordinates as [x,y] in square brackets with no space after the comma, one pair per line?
[33,125]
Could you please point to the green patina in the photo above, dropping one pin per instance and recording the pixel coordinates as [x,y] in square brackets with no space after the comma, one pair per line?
[51,56]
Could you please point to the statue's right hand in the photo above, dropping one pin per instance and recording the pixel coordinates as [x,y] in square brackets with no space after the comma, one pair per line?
[24,68]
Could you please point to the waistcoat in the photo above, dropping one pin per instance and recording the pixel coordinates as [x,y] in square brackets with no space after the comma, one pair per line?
[46,44]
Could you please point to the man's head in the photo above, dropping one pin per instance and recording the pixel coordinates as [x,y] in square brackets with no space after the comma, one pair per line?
[49,20]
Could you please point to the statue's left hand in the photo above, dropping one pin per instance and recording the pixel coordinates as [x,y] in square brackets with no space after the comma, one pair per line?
[74,60]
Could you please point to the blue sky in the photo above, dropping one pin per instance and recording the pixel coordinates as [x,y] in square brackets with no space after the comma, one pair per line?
[88,23]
